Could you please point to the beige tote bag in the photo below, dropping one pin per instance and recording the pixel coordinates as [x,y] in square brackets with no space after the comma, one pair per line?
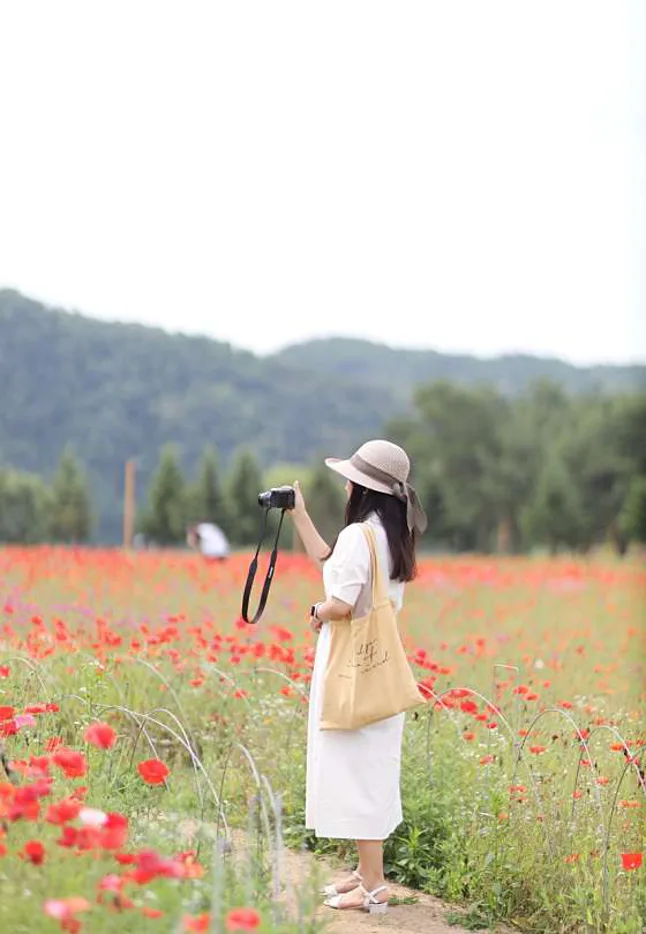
[368,677]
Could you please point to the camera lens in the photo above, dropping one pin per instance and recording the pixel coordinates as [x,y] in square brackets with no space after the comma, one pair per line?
[264,499]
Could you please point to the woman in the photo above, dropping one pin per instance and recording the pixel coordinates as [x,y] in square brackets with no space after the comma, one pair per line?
[353,776]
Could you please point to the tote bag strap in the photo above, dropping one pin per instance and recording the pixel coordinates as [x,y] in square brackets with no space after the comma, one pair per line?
[379,591]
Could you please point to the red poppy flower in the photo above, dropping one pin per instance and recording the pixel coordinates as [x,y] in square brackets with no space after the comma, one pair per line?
[71,762]
[153,771]
[151,912]
[192,869]
[631,860]
[34,851]
[6,713]
[42,708]
[63,812]
[198,923]
[40,764]
[242,919]
[4,671]
[68,837]
[126,859]
[150,865]
[114,832]
[111,883]
[537,750]
[100,735]
[64,910]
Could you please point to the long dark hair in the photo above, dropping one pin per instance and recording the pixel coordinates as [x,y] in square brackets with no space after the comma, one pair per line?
[362,502]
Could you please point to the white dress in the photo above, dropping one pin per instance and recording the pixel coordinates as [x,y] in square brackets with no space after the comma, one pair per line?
[353,775]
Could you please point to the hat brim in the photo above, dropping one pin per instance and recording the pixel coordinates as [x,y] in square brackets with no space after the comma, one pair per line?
[347,469]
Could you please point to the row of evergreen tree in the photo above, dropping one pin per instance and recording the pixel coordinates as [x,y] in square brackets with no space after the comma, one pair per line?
[230,499]
[32,511]
[541,470]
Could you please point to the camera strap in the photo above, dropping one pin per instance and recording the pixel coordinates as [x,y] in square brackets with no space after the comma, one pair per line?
[253,567]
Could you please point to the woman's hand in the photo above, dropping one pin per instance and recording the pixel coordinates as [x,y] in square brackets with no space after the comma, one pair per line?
[299,502]
[328,611]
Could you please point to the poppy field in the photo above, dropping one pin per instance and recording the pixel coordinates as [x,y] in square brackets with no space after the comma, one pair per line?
[153,745]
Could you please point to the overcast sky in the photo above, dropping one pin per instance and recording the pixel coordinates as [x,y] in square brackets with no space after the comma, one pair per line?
[467,176]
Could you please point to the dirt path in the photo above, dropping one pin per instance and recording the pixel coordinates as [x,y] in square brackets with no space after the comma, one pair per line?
[303,876]
[426,916]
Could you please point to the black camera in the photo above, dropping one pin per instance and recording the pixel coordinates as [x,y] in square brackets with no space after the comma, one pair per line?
[281,497]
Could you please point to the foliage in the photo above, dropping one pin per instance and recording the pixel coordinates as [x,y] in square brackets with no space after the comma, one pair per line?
[70,509]
[404,370]
[542,470]
[503,815]
[244,485]
[554,514]
[205,500]
[633,515]
[119,392]
[164,521]
[326,501]
[25,504]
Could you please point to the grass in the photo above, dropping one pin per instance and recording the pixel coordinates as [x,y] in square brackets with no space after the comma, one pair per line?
[522,794]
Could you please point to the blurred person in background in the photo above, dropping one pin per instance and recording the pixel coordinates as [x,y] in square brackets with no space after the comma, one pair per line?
[210,540]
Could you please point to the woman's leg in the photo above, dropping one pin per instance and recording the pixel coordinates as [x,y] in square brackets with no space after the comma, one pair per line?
[371,870]
[371,863]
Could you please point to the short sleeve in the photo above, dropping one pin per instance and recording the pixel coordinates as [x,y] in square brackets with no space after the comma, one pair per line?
[349,566]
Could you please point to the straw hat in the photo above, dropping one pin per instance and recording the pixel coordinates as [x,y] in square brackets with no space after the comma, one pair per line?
[384,467]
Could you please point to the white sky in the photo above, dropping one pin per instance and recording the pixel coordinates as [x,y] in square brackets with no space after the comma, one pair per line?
[467,176]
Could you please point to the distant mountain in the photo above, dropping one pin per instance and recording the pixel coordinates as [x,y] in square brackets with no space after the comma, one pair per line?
[116,391]
[401,370]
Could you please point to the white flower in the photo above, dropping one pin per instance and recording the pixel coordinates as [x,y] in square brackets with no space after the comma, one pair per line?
[92,817]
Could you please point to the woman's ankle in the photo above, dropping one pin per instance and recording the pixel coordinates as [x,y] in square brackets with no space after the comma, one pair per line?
[370,883]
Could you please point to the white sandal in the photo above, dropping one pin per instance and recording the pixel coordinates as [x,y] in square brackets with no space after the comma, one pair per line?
[370,903]
[331,890]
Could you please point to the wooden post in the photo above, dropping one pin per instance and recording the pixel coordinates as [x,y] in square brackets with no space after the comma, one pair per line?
[129,504]
[505,540]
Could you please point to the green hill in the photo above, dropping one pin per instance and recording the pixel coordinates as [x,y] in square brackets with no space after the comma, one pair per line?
[116,391]
[402,370]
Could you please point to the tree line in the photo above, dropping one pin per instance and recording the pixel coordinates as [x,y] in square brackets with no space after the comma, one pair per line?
[33,511]
[544,469]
